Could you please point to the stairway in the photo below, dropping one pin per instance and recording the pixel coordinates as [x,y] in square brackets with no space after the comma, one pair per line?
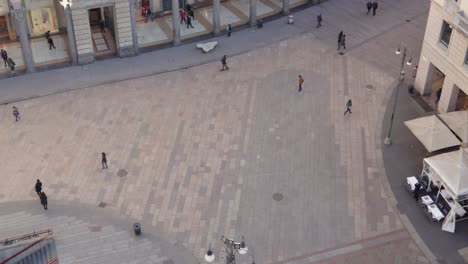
[77,241]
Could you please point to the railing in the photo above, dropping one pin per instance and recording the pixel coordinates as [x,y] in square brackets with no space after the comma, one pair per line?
[48,233]
[461,22]
[12,240]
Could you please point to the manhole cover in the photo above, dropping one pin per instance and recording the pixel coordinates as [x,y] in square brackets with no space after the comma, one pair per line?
[95,228]
[122,173]
[341,53]
[277,197]
[102,204]
[370,86]
[408,20]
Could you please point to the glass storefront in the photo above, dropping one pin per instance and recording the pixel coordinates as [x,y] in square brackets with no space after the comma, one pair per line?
[41,17]
[5,23]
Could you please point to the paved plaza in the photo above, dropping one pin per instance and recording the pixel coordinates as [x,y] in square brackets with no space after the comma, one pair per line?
[196,153]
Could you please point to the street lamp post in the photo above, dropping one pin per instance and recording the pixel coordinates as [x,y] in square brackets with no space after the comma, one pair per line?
[388,139]
[232,248]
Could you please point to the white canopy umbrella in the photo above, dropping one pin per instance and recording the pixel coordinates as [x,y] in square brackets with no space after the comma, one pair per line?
[432,133]
[451,169]
[458,122]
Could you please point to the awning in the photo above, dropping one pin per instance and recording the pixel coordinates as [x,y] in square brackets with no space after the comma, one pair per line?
[432,133]
[451,169]
[458,122]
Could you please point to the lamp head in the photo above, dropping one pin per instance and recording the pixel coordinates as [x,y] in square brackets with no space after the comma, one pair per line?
[209,256]
[398,51]
[65,3]
[243,247]
[409,62]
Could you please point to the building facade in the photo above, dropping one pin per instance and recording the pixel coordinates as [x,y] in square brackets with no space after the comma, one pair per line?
[85,30]
[443,65]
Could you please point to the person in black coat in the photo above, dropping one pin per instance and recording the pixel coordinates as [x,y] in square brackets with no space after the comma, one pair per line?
[369,6]
[104,161]
[374,7]
[417,189]
[44,200]
[38,187]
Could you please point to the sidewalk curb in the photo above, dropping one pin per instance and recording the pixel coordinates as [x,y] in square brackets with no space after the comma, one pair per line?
[386,184]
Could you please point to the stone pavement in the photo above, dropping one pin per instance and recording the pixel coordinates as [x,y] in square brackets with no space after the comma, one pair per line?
[89,235]
[235,153]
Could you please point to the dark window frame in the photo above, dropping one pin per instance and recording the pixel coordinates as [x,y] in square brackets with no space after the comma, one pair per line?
[445,34]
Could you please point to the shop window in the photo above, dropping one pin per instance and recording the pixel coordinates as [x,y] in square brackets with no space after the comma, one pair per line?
[445,34]
[41,16]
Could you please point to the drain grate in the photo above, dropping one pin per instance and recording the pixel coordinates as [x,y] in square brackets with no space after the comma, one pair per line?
[122,173]
[278,197]
[408,20]
[370,87]
[341,53]
[102,204]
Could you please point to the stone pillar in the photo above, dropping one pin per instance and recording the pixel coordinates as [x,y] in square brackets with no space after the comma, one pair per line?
[253,13]
[423,81]
[71,36]
[216,16]
[19,19]
[133,25]
[175,22]
[449,96]
[84,41]
[285,7]
[59,15]
[125,29]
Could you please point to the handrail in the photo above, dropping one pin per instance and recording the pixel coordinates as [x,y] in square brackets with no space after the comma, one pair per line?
[49,233]
[9,241]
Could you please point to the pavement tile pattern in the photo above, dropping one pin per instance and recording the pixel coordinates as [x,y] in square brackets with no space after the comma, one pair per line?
[205,150]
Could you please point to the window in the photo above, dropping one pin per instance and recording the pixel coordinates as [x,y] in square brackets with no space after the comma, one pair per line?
[466,58]
[445,34]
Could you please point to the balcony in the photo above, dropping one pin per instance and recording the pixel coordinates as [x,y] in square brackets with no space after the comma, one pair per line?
[461,22]
[451,6]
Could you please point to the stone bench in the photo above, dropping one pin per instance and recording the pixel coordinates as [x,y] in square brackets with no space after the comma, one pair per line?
[207,47]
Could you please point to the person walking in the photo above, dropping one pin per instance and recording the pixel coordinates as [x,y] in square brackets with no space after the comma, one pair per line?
[183,16]
[102,26]
[229,30]
[340,36]
[38,187]
[104,161]
[191,13]
[189,22]
[47,35]
[51,43]
[44,200]
[369,6]
[301,81]
[343,41]
[224,63]
[374,7]
[4,55]
[11,63]
[16,113]
[319,20]
[348,106]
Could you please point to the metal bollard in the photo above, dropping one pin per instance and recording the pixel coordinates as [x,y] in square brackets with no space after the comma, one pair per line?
[137,228]
[290,19]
